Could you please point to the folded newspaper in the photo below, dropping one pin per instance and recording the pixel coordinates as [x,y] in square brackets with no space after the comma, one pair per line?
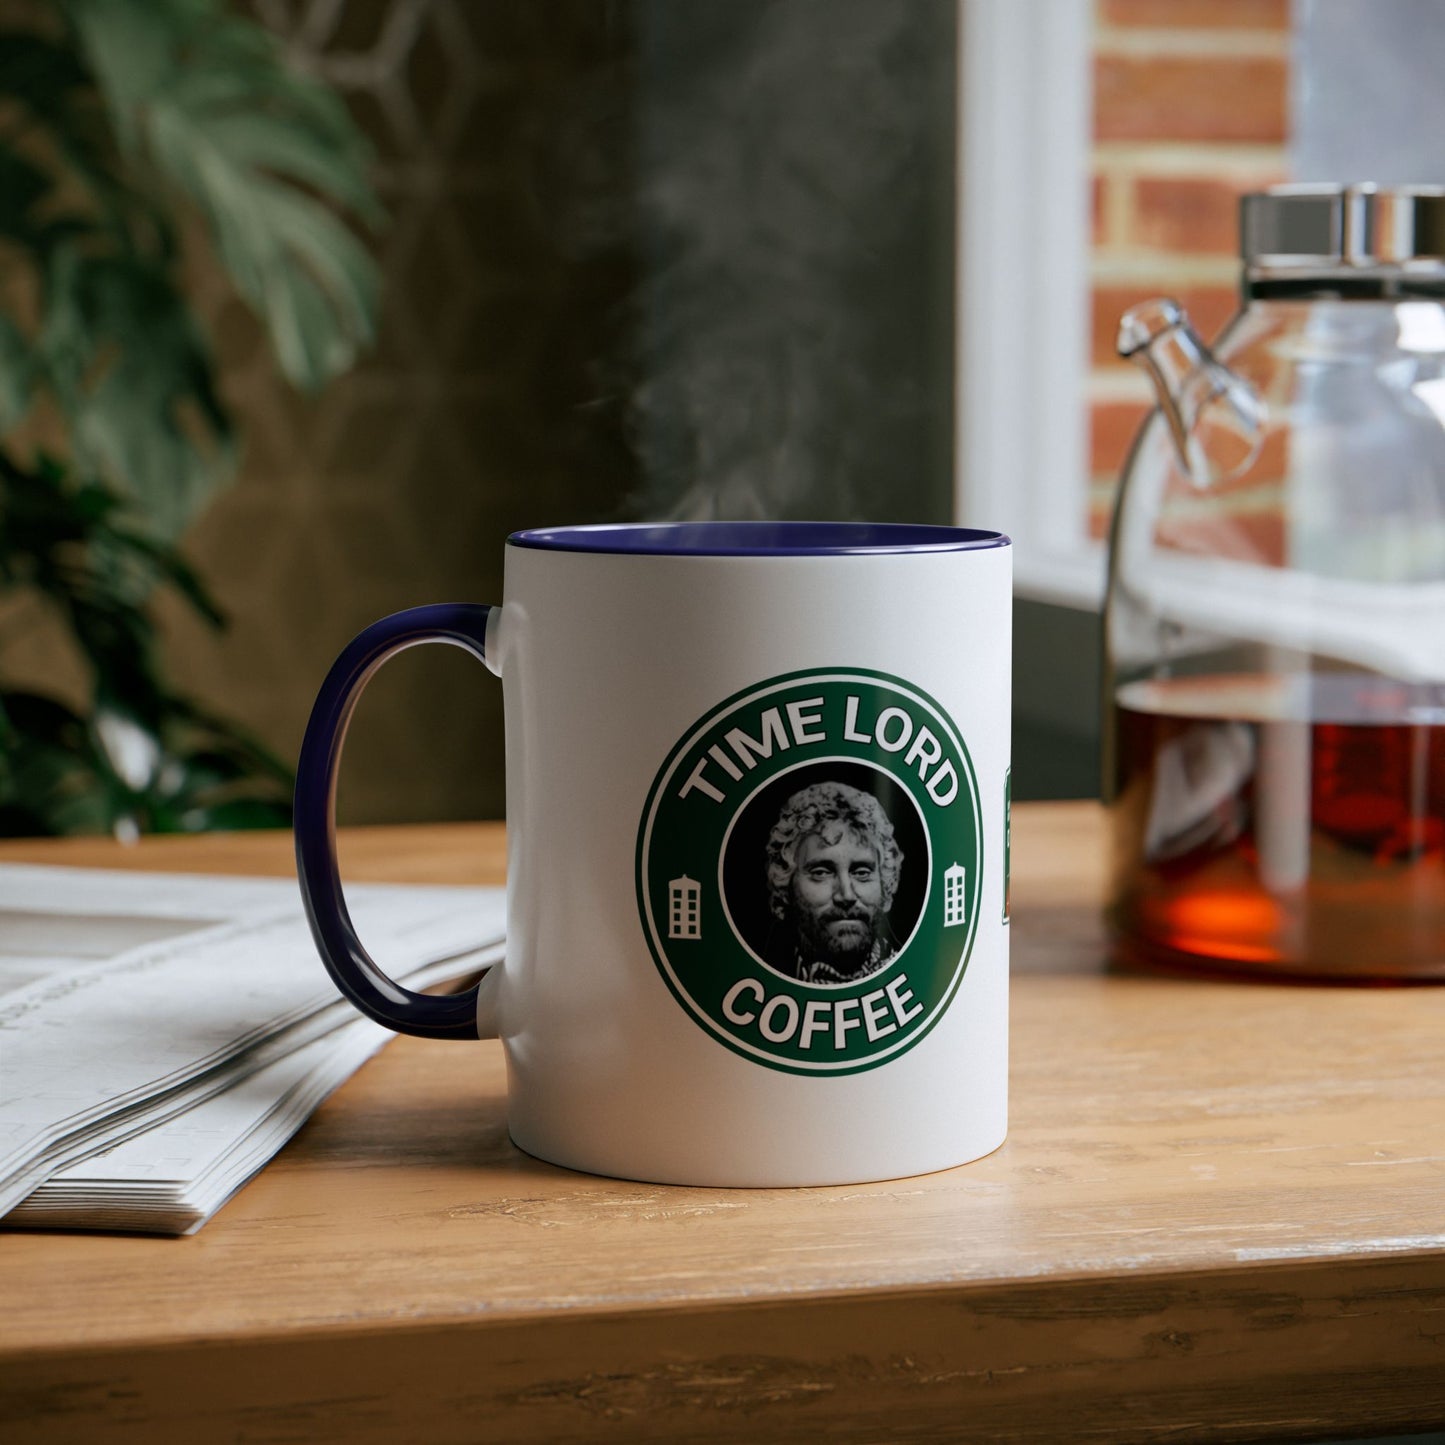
[161,1036]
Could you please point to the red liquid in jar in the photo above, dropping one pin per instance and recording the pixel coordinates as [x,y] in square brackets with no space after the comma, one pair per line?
[1281,825]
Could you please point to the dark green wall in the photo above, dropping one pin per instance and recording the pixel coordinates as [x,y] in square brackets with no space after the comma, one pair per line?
[791,338]
[1056,702]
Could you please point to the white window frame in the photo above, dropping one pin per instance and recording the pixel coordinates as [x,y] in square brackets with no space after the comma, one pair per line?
[1025,121]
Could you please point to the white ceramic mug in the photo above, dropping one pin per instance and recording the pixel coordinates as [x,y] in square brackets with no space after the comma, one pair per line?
[757,793]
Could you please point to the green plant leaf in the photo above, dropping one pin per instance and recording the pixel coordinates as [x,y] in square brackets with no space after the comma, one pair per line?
[242,747]
[17,370]
[22,186]
[169,566]
[49,782]
[37,72]
[54,97]
[134,378]
[60,774]
[263,151]
[236,814]
[74,547]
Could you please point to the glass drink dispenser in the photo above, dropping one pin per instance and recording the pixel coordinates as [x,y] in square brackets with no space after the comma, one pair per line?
[1275,623]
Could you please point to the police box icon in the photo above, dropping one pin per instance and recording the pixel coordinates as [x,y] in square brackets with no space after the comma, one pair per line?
[684,908]
[955,895]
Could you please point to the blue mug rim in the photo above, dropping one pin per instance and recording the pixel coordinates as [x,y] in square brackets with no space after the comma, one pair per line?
[757,539]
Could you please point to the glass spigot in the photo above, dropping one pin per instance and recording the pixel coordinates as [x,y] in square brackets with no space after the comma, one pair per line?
[1216,418]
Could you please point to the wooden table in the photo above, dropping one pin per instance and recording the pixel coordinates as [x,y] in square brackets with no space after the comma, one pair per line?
[1220,1215]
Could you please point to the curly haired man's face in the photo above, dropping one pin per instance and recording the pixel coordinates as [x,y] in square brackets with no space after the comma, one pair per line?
[838,892]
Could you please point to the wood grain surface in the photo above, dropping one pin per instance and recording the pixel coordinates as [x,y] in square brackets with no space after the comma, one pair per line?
[1220,1214]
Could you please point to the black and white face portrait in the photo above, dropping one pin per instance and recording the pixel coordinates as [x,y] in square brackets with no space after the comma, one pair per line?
[826,896]
[833,867]
[835,894]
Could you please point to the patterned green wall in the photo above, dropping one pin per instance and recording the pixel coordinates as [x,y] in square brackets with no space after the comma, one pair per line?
[479,413]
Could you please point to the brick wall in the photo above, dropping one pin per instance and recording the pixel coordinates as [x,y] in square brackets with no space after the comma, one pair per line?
[1190,111]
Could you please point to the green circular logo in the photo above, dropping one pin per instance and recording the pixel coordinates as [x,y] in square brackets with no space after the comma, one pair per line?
[809,866]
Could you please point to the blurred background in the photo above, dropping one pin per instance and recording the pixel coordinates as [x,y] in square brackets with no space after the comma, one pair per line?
[631,258]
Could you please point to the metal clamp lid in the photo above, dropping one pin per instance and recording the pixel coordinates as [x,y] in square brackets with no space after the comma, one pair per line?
[1328,227]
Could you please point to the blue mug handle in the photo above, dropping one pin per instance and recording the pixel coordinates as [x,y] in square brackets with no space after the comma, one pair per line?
[356,974]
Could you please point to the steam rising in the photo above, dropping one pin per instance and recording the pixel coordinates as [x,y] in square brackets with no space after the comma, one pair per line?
[790,326]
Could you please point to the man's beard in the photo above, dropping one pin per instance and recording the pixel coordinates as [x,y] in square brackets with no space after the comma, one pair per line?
[839,937]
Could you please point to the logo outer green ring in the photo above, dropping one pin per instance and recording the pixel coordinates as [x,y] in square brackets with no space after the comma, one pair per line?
[664,967]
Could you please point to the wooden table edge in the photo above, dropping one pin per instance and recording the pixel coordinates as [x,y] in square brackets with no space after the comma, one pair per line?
[1016,1357]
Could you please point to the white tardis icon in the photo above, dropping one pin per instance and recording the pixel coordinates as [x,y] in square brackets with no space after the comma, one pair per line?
[683,908]
[954,908]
